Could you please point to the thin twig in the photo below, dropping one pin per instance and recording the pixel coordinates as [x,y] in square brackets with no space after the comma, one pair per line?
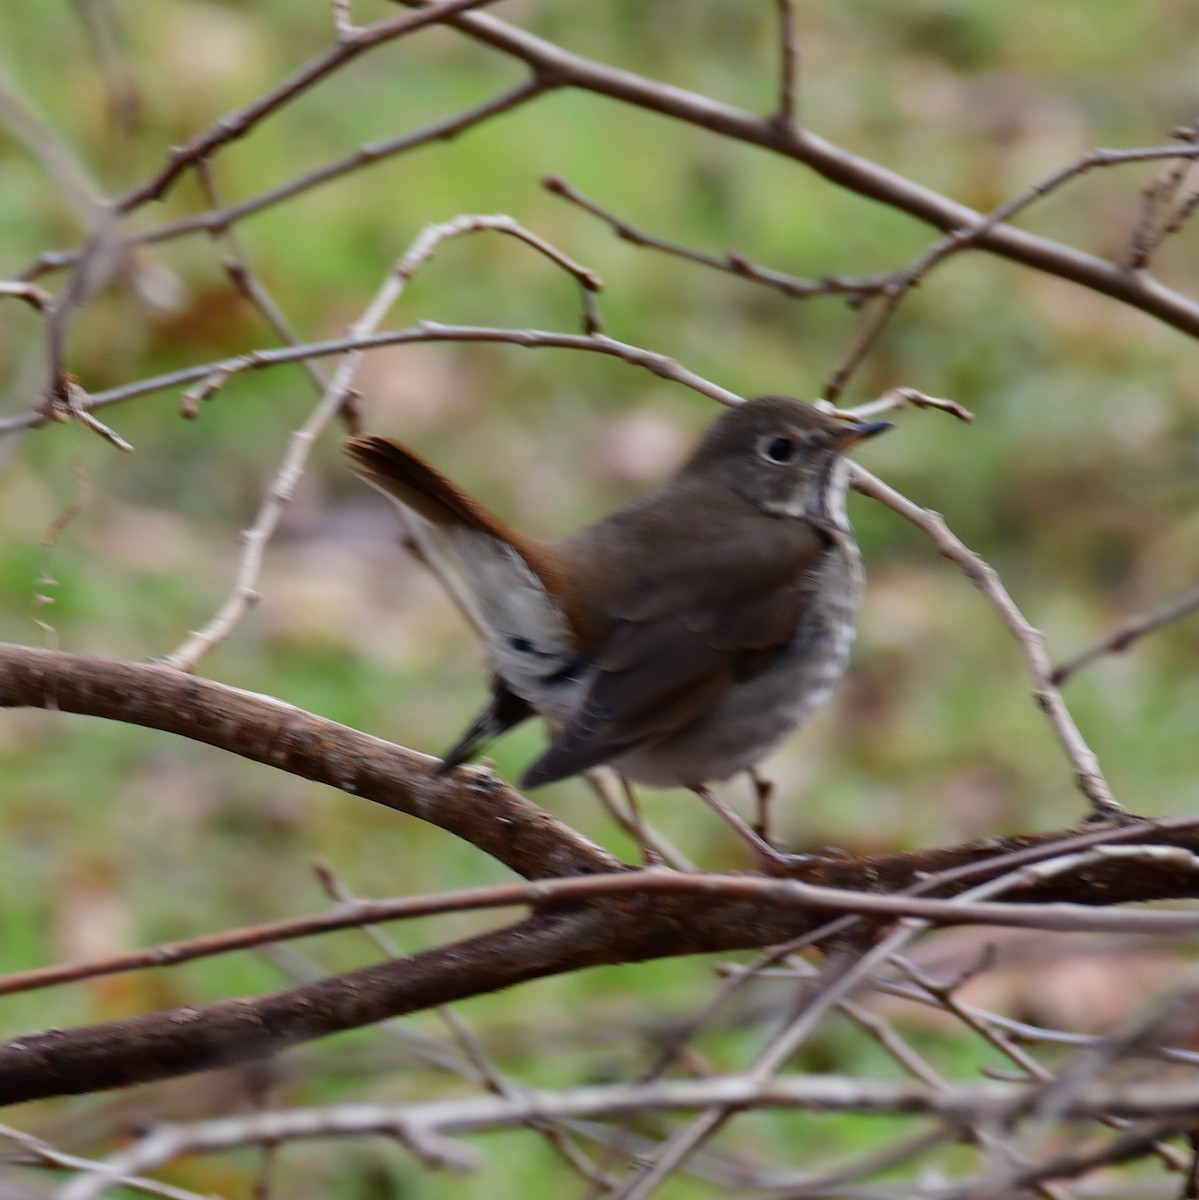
[279,494]
[990,1031]
[793,894]
[600,783]
[1155,222]
[237,266]
[73,182]
[41,1151]
[343,19]
[105,34]
[425,245]
[366,155]
[973,234]
[900,397]
[1126,1147]
[786,113]
[211,376]
[1168,1018]
[472,1049]
[425,1127]
[842,975]
[1126,635]
[102,243]
[33,295]
[1087,771]
[71,402]
[732,263]
[244,593]
[236,124]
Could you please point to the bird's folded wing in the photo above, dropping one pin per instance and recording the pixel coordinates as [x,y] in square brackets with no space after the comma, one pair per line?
[659,673]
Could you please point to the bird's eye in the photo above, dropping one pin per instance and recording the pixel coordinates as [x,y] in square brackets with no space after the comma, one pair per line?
[779,449]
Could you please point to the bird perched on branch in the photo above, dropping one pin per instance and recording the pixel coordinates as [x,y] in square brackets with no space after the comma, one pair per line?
[681,637]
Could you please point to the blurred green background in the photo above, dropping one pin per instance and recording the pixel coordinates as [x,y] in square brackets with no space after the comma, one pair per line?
[1077,480]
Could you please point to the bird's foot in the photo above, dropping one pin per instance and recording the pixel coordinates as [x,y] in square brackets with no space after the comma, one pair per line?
[771,860]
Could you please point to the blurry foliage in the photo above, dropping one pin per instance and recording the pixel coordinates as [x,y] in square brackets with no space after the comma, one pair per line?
[1077,480]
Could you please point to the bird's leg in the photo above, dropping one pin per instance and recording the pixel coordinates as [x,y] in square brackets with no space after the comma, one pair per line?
[763,790]
[772,861]
[649,856]
[665,852]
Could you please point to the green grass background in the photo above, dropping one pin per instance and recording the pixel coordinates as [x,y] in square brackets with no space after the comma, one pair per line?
[1077,481]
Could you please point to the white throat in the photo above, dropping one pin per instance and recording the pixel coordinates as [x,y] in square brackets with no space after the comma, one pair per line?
[822,502]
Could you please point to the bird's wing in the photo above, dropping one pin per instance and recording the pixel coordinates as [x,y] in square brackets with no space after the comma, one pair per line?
[678,652]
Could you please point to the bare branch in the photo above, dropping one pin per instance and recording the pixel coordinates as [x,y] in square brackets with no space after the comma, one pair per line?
[263,729]
[901,397]
[732,263]
[856,174]
[788,64]
[1087,772]
[701,914]
[555,67]
[213,375]
[60,161]
[995,1103]
[33,295]
[975,233]
[842,975]
[237,267]
[236,124]
[1128,634]
[366,155]
[353,913]
[279,494]
[76,404]
[472,1049]
[42,1152]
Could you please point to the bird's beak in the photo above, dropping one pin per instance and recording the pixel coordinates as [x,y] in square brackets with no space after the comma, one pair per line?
[855,432]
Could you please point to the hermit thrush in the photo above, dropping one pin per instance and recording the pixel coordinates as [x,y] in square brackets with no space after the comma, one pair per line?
[681,637]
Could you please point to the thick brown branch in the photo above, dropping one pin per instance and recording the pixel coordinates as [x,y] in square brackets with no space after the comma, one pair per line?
[471,803]
[618,928]
[627,928]
[200,1037]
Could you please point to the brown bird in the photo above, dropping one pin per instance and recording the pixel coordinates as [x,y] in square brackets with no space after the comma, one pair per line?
[681,637]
